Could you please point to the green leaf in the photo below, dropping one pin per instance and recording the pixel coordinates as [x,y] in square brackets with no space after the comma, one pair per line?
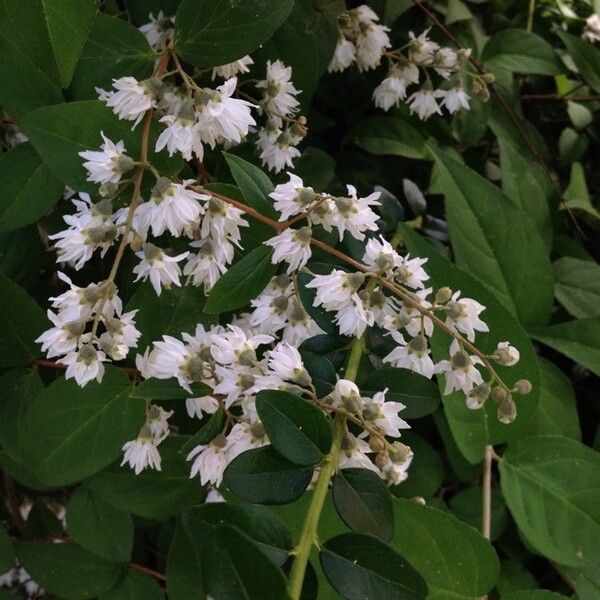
[176,310]
[364,502]
[296,428]
[522,52]
[151,494]
[244,280]
[60,132]
[234,567]
[140,9]
[496,242]
[315,167]
[167,389]
[557,407]
[551,486]
[70,433]
[360,566]
[389,135]
[420,395]
[474,429]
[18,388]
[467,505]
[577,197]
[585,57]
[98,527]
[208,432]
[135,586]
[577,286]
[114,49]
[184,568]
[322,318]
[7,551]
[254,184]
[217,32]
[454,559]
[28,190]
[67,570]
[57,28]
[533,595]
[21,322]
[264,477]
[579,340]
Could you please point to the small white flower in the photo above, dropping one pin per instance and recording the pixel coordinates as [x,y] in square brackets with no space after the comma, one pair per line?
[396,472]
[354,454]
[389,92]
[235,346]
[292,198]
[157,421]
[353,318]
[108,165]
[131,99]
[591,31]
[162,269]
[291,246]
[455,99]
[410,272]
[460,371]
[372,39]
[346,394]
[445,61]
[222,223]
[279,95]
[463,314]
[246,436]
[354,214]
[84,364]
[506,354]
[207,265]
[277,149]
[242,65]
[422,49]
[343,57]
[142,453]
[334,291]
[285,361]
[198,407]
[210,461]
[158,31]
[380,256]
[63,337]
[181,134]
[424,102]
[384,415]
[414,355]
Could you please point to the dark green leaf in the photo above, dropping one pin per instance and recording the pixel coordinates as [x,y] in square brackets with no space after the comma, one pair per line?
[67,570]
[206,434]
[577,286]
[264,477]
[21,322]
[420,395]
[579,340]
[455,560]
[585,57]
[135,586]
[140,9]
[496,242]
[316,168]
[321,371]
[551,486]
[533,595]
[360,566]
[322,318]
[242,282]
[217,32]
[7,552]
[70,433]
[184,568]
[296,428]
[467,506]
[522,52]
[151,494]
[364,502]
[113,49]
[28,190]
[98,527]
[167,389]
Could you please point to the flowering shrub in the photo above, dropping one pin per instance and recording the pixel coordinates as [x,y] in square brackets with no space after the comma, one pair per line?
[311,279]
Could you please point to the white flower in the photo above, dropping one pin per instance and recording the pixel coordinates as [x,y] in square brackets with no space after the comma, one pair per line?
[285,361]
[197,407]
[354,454]
[460,371]
[421,48]
[343,57]
[506,354]
[277,149]
[222,223]
[353,318]
[142,453]
[424,102]
[372,39]
[380,256]
[354,214]
[396,472]
[454,99]
[384,415]
[445,61]
[181,135]
[162,270]
[210,461]
[246,436]
[346,394]
[158,31]
[591,31]
[291,246]
[292,198]
[207,265]
[222,118]
[414,355]
[410,272]
[157,421]
[334,291]
[279,95]
[300,326]
[463,314]
[108,165]
[235,346]
[84,364]
[132,97]
[172,206]
[389,92]
[230,69]
[63,337]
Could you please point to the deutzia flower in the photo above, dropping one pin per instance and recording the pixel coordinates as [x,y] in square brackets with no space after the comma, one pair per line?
[410,272]
[207,265]
[354,317]
[421,48]
[389,92]
[158,31]
[335,290]
[380,256]
[353,454]
[198,407]
[372,39]
[84,364]
[424,102]
[162,269]
[108,165]
[346,395]
[454,99]
[445,61]
[181,134]
[355,214]
[235,346]
[506,354]
[343,57]
[172,206]
[158,421]
[142,452]
[591,31]
[210,461]
[222,222]
[395,466]
[246,436]
[63,337]
[285,361]
[291,246]
[463,314]
[242,65]
[292,198]
[277,149]
[384,415]
[460,371]
[414,355]
[132,98]
[279,95]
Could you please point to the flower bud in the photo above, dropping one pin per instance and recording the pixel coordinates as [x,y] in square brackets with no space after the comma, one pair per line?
[478,395]
[523,387]
[488,77]
[419,500]
[108,190]
[506,354]
[507,410]
[499,394]
[376,444]
[484,94]
[443,295]
[399,453]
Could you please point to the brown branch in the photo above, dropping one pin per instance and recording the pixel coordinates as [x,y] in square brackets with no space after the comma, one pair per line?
[147,571]
[14,505]
[131,372]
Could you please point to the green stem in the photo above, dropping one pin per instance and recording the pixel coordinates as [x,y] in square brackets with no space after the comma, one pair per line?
[530,15]
[328,468]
